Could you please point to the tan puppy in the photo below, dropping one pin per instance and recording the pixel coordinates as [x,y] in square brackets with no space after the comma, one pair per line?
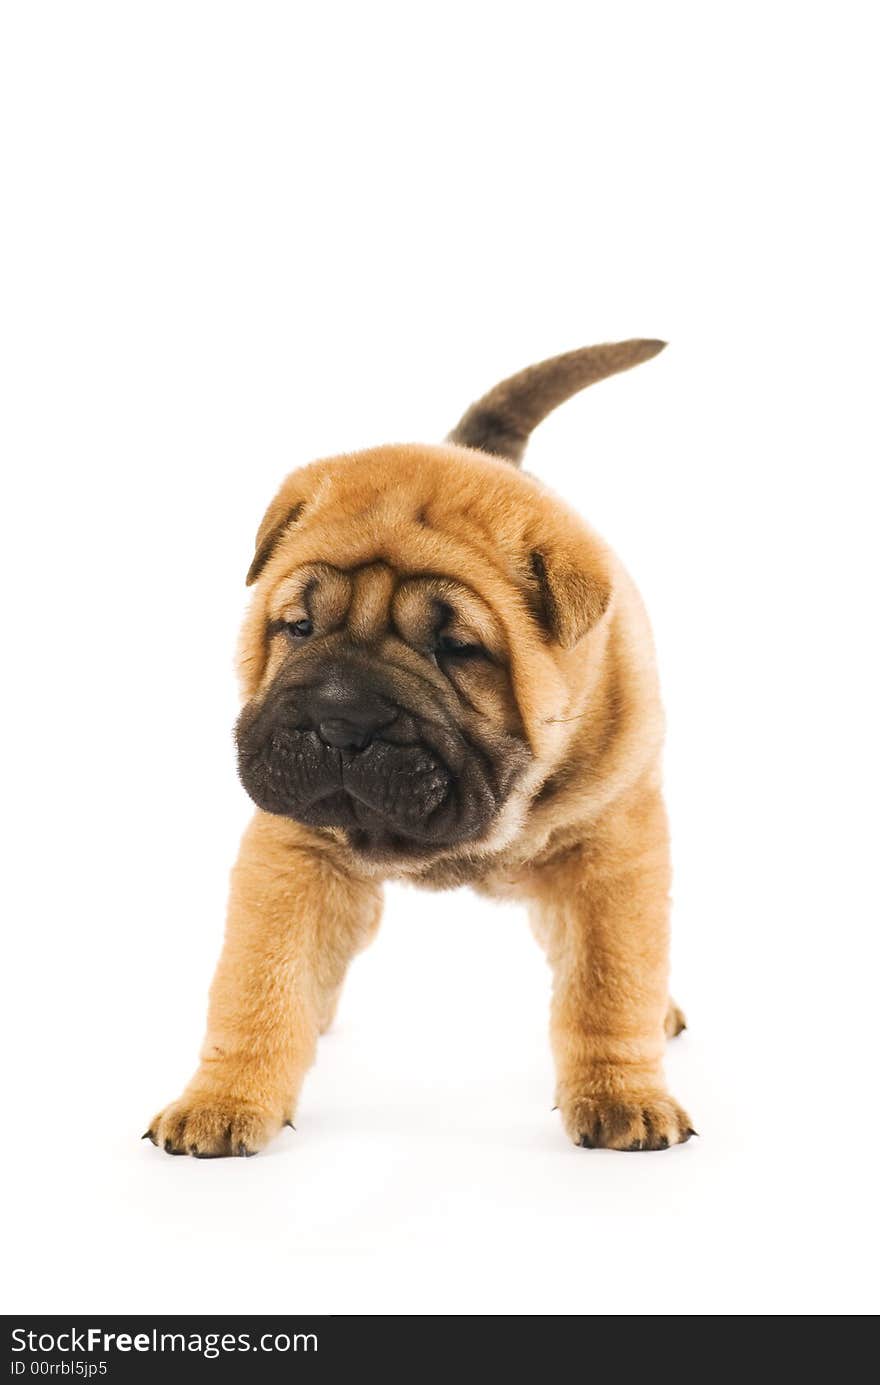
[447,676]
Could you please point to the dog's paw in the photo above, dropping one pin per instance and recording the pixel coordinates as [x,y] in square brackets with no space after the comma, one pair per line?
[645,1121]
[213,1127]
[675,1021]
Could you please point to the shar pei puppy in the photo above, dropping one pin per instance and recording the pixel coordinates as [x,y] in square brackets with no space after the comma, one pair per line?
[447,677]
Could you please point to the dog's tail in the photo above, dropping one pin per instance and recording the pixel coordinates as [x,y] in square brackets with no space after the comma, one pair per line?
[502,421]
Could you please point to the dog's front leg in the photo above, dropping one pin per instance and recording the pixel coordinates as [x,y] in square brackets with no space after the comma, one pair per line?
[297,914]
[602,914]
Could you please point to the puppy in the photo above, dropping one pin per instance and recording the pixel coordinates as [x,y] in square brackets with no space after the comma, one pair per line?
[447,677]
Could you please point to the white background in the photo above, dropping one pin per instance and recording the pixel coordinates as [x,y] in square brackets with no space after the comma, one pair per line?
[237,236]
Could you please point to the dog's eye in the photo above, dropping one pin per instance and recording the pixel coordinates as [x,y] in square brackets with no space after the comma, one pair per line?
[300,629]
[451,648]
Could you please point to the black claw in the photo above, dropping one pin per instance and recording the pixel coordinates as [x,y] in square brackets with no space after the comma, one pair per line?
[689,1132]
[169,1149]
[290,1124]
[586,1143]
[148,1135]
[663,1143]
[243,1152]
[634,1147]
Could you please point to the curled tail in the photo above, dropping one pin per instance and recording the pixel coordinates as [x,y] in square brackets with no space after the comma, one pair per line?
[502,421]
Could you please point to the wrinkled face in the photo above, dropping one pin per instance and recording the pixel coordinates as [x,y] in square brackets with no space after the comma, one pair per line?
[386,710]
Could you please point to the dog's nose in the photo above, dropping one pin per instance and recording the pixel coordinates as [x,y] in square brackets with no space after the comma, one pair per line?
[344,735]
[347,717]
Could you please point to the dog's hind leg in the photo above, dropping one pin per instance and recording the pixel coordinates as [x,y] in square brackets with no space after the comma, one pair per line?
[329,1006]
[675,1020]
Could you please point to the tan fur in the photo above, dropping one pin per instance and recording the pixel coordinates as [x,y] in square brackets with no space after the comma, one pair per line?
[582,840]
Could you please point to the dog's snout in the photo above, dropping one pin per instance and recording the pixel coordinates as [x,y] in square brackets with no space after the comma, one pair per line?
[347,716]
[343,734]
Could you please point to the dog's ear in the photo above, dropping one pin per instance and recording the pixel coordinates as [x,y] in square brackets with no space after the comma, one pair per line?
[573,590]
[283,512]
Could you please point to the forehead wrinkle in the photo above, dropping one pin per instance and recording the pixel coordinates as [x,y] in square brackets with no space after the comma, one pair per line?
[423,603]
[288,591]
[414,551]
[372,590]
[408,547]
[313,589]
